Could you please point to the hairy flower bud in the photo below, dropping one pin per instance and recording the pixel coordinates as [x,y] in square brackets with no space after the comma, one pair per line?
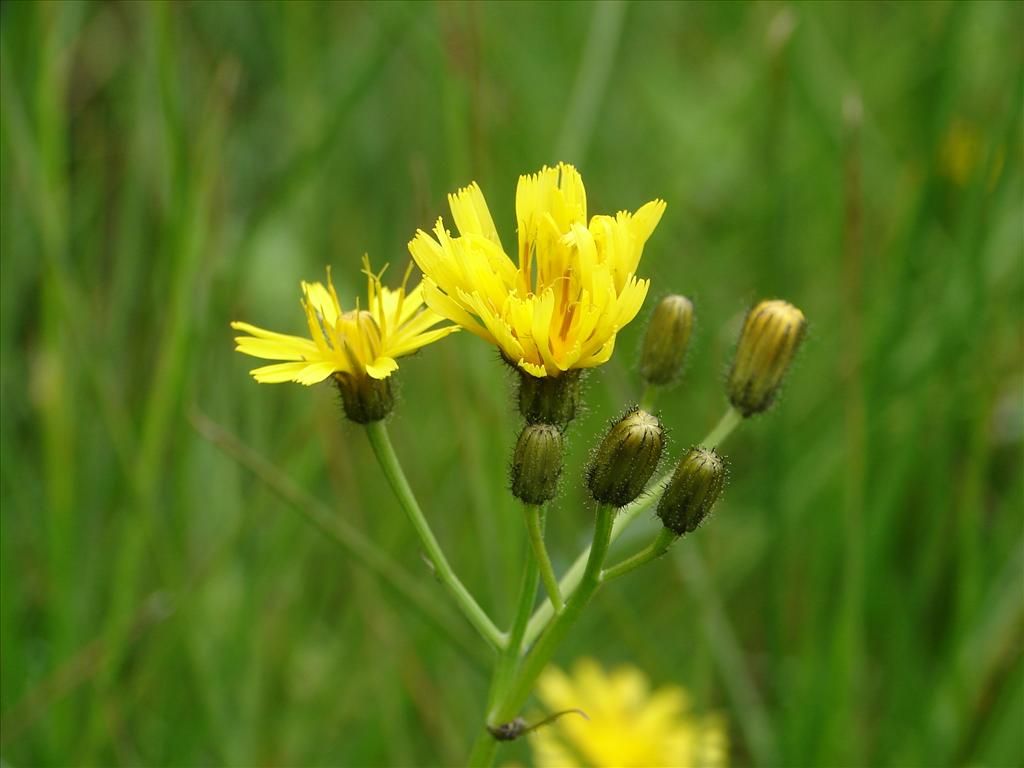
[768,342]
[537,463]
[549,399]
[365,398]
[693,490]
[626,459]
[666,340]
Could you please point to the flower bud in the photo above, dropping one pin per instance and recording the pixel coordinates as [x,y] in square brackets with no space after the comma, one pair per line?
[694,488]
[549,399]
[666,340]
[771,334]
[537,463]
[626,459]
[364,398]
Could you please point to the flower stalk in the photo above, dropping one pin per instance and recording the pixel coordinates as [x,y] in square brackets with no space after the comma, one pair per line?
[535,529]
[389,464]
[548,643]
[571,580]
[653,551]
[729,421]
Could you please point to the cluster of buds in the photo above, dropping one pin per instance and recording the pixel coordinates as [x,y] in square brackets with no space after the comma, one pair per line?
[629,454]
[771,335]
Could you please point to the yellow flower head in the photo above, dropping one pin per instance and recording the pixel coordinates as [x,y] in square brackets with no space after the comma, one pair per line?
[629,724]
[357,343]
[574,285]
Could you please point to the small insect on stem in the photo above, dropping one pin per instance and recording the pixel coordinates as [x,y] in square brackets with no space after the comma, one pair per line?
[512,730]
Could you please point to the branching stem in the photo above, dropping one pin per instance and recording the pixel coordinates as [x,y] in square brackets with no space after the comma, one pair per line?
[541,654]
[729,421]
[653,551]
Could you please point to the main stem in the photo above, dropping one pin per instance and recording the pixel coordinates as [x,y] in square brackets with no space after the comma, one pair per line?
[509,658]
[548,643]
[389,463]
[485,746]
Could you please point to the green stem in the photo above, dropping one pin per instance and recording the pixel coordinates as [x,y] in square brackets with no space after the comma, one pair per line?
[400,485]
[653,551]
[534,525]
[729,421]
[353,541]
[574,575]
[485,746]
[626,516]
[648,397]
[510,654]
[484,750]
[548,643]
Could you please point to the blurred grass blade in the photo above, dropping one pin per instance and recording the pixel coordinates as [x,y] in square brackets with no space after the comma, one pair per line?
[355,543]
[753,718]
[592,77]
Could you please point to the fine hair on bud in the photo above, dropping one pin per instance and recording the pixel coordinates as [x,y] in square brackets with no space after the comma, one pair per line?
[549,399]
[537,463]
[771,335]
[364,398]
[693,490]
[666,340]
[626,458]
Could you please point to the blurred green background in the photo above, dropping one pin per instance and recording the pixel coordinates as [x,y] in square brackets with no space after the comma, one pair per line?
[858,598]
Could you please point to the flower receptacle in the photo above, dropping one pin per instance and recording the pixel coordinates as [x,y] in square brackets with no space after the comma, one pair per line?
[549,399]
[364,398]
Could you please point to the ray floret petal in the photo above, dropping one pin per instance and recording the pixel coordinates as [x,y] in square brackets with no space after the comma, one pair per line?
[572,287]
[357,343]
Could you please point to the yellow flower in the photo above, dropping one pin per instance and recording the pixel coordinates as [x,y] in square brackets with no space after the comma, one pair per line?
[572,289]
[357,343]
[629,725]
[962,151]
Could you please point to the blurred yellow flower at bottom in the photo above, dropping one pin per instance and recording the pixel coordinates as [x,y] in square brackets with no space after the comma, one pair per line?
[628,725]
